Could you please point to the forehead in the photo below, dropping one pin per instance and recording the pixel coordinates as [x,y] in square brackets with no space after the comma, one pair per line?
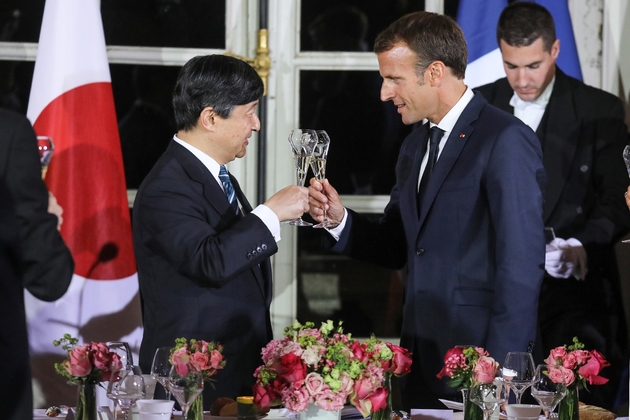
[397,61]
[524,55]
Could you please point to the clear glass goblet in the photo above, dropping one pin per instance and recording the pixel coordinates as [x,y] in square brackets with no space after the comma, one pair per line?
[489,396]
[125,388]
[318,165]
[161,368]
[518,372]
[185,387]
[302,145]
[549,388]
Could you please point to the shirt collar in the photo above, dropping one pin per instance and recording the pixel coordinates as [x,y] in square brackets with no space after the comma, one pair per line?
[450,119]
[212,165]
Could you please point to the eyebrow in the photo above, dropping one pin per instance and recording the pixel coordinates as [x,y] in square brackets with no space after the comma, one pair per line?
[526,65]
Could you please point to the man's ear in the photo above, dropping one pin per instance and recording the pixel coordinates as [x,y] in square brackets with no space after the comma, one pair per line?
[207,118]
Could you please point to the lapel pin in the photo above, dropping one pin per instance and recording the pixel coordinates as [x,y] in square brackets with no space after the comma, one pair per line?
[461,136]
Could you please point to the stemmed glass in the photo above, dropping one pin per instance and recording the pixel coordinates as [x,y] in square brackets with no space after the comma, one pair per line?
[489,396]
[185,387]
[518,372]
[125,388]
[161,368]
[46,147]
[302,145]
[318,165]
[548,388]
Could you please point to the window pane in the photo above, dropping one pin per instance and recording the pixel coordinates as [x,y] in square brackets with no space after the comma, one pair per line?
[365,133]
[367,298]
[155,23]
[349,25]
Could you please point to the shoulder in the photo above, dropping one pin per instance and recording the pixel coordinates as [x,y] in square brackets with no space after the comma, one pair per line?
[588,98]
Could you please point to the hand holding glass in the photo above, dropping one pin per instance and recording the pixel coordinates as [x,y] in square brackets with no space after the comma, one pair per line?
[302,145]
[518,372]
[318,165]
[548,388]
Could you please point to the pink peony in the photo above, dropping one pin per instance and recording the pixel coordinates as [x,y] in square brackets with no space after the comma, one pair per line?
[485,370]
[329,400]
[79,364]
[296,397]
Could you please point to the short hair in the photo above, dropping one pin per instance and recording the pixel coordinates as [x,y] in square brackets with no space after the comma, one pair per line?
[522,23]
[216,81]
[431,36]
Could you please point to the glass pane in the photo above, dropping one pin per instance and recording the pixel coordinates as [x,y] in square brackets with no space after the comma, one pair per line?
[365,133]
[158,23]
[367,298]
[348,25]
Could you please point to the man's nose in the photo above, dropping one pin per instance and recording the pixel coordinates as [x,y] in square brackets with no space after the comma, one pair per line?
[386,92]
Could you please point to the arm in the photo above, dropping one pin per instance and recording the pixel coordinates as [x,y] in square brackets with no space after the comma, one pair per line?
[47,265]
[515,177]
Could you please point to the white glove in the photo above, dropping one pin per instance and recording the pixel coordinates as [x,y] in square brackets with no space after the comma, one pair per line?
[565,258]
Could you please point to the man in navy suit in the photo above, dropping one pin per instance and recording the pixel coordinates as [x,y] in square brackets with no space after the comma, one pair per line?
[583,134]
[202,252]
[473,243]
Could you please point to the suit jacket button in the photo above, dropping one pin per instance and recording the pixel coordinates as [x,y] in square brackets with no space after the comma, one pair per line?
[584,168]
[254,253]
[259,249]
[264,247]
[249,256]
[420,251]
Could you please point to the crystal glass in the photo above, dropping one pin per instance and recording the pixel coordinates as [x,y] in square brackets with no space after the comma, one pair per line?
[161,368]
[46,148]
[302,145]
[185,387]
[489,396]
[318,165]
[518,372]
[125,388]
[548,388]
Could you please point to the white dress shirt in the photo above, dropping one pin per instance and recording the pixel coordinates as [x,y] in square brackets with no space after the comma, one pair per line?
[531,112]
[265,214]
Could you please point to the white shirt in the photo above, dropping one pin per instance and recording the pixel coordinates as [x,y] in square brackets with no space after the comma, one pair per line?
[447,123]
[265,214]
[531,112]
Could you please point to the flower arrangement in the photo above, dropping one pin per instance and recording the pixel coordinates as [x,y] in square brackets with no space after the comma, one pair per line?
[580,366]
[468,365]
[326,367]
[88,363]
[197,355]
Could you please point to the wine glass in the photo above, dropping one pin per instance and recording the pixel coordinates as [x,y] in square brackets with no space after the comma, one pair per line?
[161,368]
[302,145]
[318,165]
[518,372]
[489,396]
[46,147]
[125,388]
[548,388]
[185,387]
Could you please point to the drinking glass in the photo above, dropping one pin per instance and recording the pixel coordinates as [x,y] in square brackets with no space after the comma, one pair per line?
[518,372]
[548,388]
[125,388]
[161,368]
[489,396]
[318,165]
[185,388]
[302,145]
[46,147]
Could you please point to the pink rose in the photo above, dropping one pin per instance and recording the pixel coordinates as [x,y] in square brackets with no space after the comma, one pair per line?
[378,398]
[556,355]
[79,364]
[199,361]
[114,365]
[556,374]
[359,351]
[181,356]
[346,383]
[401,362]
[101,355]
[314,383]
[569,361]
[485,370]
[593,366]
[216,357]
[363,387]
[264,396]
[581,356]
[482,352]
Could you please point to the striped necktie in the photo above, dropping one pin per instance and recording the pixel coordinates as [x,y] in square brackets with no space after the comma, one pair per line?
[228,188]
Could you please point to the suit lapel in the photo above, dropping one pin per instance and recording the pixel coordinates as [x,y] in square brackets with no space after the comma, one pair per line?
[559,149]
[453,148]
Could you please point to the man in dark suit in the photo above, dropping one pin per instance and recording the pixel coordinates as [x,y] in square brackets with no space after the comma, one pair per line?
[582,133]
[203,258]
[474,242]
[32,256]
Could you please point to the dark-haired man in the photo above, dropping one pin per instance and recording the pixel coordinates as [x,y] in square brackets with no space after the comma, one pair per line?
[203,253]
[582,133]
[470,230]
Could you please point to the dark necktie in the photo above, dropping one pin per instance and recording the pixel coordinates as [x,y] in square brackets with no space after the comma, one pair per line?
[228,188]
[435,135]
